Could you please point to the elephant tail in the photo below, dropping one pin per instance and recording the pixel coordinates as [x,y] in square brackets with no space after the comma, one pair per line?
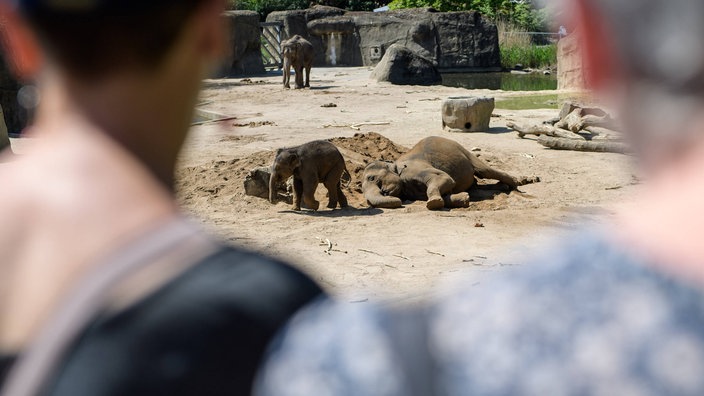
[345,179]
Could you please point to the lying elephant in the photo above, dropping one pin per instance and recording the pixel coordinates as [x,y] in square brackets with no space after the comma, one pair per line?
[311,163]
[437,169]
[297,52]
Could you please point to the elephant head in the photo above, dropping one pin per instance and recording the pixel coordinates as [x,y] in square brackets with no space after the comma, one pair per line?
[285,162]
[291,51]
[382,185]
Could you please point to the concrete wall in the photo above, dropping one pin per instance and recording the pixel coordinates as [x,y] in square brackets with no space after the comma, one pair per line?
[570,70]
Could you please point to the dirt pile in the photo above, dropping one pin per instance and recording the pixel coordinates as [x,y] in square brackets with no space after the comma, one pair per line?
[221,182]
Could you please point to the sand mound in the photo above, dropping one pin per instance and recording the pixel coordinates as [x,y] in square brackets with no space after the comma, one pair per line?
[221,182]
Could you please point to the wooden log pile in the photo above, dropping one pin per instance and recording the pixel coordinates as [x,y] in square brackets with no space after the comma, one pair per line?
[578,128]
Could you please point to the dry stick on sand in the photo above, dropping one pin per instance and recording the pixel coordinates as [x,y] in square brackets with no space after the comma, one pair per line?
[215,120]
[357,126]
[583,145]
[369,251]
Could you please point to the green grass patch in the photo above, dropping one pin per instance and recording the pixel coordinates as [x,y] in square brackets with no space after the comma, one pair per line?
[533,56]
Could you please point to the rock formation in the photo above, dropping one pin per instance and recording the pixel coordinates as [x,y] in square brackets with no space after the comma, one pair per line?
[244,53]
[402,66]
[451,40]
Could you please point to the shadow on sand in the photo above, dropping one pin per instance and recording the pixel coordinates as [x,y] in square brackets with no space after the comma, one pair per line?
[346,212]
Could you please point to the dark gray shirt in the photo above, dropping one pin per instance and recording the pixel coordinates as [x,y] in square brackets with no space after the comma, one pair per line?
[590,319]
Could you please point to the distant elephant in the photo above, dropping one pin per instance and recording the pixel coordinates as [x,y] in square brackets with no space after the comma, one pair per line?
[436,169]
[311,163]
[297,52]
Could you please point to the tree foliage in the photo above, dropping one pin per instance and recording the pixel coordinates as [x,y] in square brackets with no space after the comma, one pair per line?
[264,7]
[520,13]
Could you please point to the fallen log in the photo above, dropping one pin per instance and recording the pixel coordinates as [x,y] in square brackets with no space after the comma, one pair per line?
[600,133]
[595,121]
[572,121]
[543,129]
[557,143]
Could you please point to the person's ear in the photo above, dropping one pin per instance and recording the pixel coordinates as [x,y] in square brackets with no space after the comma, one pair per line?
[601,63]
[20,44]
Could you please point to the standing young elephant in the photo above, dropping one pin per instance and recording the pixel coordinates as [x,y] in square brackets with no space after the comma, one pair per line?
[297,52]
[311,163]
[436,169]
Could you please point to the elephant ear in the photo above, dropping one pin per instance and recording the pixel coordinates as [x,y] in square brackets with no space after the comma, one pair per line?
[294,160]
[392,166]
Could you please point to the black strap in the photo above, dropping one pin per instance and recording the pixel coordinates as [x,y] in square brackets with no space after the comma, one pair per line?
[86,299]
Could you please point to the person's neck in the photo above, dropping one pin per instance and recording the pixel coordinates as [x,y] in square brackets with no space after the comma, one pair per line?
[665,222]
[147,117]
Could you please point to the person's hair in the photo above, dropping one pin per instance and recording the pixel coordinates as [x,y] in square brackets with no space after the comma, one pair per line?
[91,44]
[660,46]
[660,40]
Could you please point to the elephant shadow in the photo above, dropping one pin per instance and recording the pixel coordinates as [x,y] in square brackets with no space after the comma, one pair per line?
[349,211]
[483,192]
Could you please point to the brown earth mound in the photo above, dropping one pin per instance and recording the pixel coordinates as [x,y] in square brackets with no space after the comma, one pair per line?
[221,182]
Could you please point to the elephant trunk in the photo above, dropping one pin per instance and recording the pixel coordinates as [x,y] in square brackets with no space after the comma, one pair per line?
[378,200]
[272,188]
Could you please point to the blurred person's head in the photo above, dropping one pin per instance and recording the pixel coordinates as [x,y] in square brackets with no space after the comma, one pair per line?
[647,56]
[90,40]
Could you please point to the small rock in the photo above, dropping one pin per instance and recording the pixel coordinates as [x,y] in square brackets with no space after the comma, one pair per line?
[328,105]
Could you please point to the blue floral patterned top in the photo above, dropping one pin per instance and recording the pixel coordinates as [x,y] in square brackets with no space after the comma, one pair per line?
[588,320]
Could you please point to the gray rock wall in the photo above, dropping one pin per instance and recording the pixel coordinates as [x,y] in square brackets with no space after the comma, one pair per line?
[16,117]
[452,40]
[244,56]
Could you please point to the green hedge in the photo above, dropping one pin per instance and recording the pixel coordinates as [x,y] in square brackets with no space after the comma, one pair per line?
[533,56]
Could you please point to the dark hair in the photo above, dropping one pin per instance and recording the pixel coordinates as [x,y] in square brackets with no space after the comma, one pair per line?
[93,43]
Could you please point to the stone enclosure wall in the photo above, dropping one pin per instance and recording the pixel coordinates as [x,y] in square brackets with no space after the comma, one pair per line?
[451,40]
[570,70]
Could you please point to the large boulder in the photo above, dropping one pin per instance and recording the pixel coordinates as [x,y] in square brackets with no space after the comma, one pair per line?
[467,113]
[451,40]
[467,40]
[256,184]
[404,67]
[378,31]
[244,56]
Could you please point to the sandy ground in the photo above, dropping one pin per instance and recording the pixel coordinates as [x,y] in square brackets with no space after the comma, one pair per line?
[389,256]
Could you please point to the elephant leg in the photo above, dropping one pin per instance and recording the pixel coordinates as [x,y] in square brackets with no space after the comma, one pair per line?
[309,187]
[307,76]
[287,78]
[438,185]
[297,193]
[459,200]
[299,77]
[341,196]
[484,171]
[331,185]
